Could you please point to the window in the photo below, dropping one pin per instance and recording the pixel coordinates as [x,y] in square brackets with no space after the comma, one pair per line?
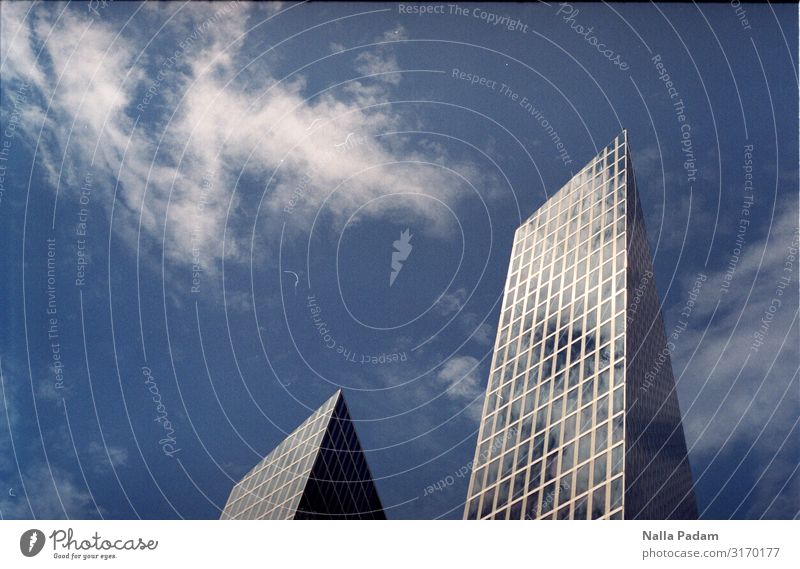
[599,503]
[585,447]
[534,475]
[618,430]
[616,492]
[582,480]
[488,503]
[567,457]
[532,506]
[600,469]
[586,418]
[617,460]
[601,438]
[580,509]
[618,400]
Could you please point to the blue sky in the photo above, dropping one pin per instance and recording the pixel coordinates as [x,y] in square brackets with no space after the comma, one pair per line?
[222,186]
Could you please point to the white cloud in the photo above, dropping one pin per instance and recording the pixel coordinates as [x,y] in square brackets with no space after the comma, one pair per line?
[52,493]
[451,302]
[383,66]
[215,119]
[483,333]
[732,389]
[16,49]
[47,490]
[460,377]
[101,458]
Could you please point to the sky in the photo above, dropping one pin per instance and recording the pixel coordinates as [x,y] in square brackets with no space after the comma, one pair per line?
[215,215]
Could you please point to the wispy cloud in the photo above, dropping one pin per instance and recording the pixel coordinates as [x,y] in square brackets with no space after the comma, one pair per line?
[737,394]
[33,485]
[169,134]
[462,380]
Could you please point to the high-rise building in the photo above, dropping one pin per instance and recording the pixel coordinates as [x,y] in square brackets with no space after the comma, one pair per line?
[318,472]
[581,417]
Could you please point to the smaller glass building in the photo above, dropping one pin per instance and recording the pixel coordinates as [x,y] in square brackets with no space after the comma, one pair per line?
[318,472]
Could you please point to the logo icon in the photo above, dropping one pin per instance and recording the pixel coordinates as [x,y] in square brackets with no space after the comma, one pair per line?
[402,251]
[31,542]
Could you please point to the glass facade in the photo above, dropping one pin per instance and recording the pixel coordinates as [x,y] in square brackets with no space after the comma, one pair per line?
[318,472]
[557,438]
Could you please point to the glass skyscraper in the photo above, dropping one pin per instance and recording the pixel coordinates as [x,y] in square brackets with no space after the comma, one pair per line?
[581,417]
[318,472]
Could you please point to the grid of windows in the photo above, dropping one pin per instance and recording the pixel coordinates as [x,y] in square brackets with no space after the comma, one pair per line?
[340,485]
[558,373]
[562,435]
[659,481]
[318,471]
